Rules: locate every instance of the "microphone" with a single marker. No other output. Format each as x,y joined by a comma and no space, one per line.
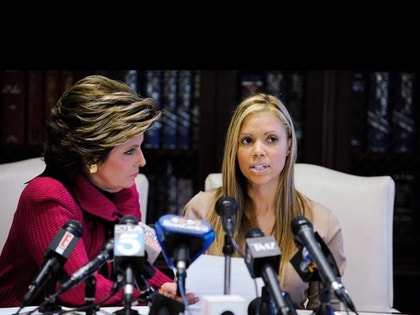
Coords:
54,258
226,207
90,291
262,258
106,254
182,240
128,253
304,236
306,267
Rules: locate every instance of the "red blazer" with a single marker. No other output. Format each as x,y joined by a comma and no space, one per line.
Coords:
45,206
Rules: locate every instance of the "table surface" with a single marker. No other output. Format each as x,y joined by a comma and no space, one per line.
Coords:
144,310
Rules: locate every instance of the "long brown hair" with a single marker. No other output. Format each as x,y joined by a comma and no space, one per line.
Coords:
289,204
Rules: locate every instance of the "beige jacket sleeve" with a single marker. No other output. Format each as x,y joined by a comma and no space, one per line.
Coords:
306,295
199,205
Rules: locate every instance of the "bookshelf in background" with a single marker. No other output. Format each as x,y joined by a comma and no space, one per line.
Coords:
13,110
386,142
35,105
169,106
170,145
184,112
27,97
151,85
56,83
384,107
288,86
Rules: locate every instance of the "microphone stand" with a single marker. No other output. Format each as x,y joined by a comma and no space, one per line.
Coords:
265,305
90,291
227,251
50,307
325,307
128,297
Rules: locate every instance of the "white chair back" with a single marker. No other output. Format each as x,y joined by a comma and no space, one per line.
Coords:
13,177
143,187
365,207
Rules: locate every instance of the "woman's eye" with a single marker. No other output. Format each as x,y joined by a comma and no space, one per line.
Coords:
246,140
129,152
273,139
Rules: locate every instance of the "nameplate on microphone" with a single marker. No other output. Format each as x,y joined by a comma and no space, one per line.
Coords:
184,225
260,251
128,247
64,243
151,243
305,265
263,246
128,240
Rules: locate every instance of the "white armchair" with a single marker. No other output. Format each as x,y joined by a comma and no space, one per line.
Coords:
13,177
365,208
143,187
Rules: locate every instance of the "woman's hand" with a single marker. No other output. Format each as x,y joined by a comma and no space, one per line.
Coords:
171,287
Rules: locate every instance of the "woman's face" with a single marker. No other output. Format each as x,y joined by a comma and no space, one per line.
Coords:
263,148
121,166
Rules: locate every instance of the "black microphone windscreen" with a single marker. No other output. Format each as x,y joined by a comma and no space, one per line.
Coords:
299,221
226,206
254,306
254,232
129,219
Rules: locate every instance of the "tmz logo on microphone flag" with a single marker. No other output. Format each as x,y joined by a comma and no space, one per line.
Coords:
262,246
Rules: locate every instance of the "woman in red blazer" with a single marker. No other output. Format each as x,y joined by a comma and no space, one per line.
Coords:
92,154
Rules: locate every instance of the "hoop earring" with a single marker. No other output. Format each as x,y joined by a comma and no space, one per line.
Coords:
93,168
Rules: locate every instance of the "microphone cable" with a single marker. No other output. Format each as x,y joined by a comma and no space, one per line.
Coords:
117,285
240,252
242,255
183,296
